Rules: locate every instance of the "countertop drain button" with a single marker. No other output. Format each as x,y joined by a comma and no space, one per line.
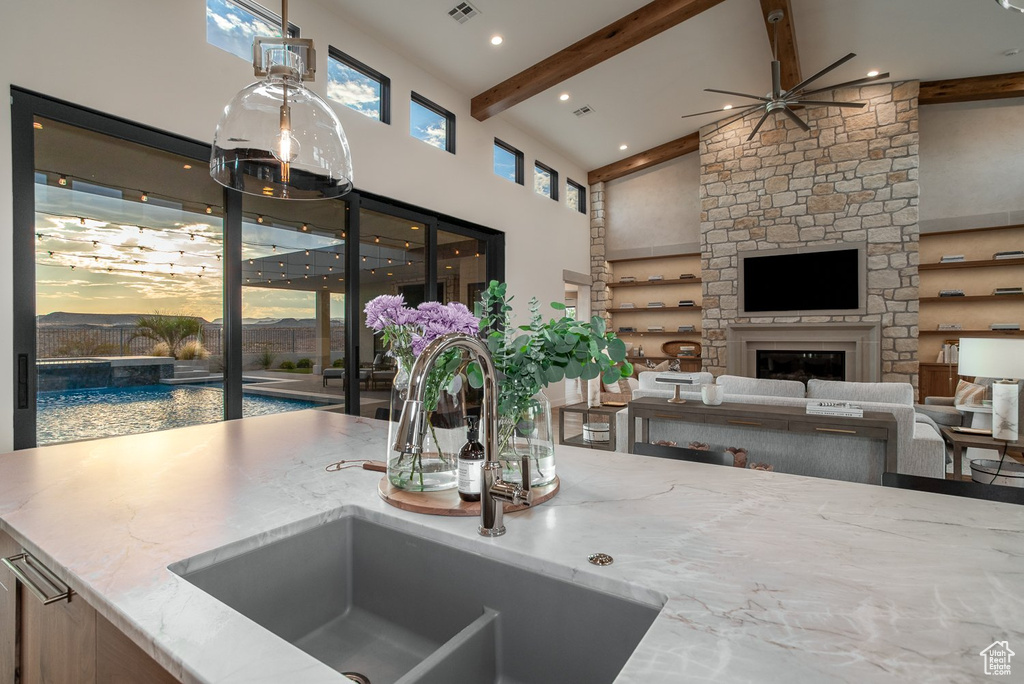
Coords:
601,559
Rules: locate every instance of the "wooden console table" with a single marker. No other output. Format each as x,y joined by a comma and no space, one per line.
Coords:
874,424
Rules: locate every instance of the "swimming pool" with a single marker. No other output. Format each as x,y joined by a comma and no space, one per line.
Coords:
72,415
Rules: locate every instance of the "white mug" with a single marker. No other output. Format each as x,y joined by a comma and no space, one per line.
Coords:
712,394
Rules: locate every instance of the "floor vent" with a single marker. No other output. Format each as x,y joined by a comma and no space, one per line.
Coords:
463,12
584,110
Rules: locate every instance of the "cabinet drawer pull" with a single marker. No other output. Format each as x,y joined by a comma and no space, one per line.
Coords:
668,416
844,432
26,569
743,422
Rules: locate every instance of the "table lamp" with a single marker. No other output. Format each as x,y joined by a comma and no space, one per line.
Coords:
997,358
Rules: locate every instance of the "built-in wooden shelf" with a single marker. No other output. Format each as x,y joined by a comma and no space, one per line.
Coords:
974,298
986,263
666,332
653,257
639,359
973,333
631,309
654,283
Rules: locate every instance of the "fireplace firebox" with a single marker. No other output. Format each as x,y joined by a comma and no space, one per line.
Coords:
802,365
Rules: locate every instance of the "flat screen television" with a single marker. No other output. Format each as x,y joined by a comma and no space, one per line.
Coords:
826,280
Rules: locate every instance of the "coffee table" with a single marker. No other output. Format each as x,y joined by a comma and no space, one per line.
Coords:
605,414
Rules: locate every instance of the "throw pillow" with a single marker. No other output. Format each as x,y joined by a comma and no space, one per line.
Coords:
661,367
968,393
614,387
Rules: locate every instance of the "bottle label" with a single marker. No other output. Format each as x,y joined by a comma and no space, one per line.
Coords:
470,475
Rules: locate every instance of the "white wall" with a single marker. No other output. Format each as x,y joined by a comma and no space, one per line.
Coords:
972,164
148,61
654,208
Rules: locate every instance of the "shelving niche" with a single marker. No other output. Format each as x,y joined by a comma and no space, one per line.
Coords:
978,275
671,290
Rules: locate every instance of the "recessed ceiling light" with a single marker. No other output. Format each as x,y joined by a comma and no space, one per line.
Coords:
872,73
563,97
187,166
727,107
623,147
414,227
496,40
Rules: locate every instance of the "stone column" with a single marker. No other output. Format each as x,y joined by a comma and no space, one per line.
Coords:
600,271
323,331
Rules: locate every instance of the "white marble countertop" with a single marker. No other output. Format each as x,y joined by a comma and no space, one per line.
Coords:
765,576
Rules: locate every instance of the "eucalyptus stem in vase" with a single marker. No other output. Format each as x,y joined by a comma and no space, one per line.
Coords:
530,357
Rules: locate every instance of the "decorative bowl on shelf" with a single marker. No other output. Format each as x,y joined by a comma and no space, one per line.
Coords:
681,349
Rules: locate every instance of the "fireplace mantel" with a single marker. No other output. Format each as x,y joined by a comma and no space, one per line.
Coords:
860,341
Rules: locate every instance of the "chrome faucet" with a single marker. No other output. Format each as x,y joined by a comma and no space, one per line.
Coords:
412,427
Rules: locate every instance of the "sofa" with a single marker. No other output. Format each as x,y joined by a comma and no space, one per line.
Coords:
919,451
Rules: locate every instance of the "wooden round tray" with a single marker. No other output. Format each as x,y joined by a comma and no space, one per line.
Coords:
672,349
448,501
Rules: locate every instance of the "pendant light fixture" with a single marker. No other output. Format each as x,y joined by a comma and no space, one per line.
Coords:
277,138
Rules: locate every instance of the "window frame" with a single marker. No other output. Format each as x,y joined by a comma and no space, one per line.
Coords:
554,179
368,71
449,138
263,13
520,173
581,194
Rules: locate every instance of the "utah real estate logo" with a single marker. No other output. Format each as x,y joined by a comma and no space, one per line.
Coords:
997,658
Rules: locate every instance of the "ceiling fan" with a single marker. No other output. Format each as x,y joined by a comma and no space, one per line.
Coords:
779,100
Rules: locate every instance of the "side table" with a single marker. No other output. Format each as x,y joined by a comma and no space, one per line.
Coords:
605,414
964,440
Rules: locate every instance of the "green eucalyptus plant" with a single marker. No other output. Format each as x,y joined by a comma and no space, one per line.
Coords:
532,356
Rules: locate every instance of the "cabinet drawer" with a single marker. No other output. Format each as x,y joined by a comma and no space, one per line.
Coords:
751,422
654,414
839,430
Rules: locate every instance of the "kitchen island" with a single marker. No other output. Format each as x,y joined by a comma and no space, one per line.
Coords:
762,576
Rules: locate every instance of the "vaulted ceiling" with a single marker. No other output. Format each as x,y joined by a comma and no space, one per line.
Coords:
639,94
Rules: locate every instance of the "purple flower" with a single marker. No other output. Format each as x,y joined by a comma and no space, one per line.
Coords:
385,310
436,319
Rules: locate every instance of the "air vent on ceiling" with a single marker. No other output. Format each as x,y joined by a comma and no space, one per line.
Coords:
584,110
463,12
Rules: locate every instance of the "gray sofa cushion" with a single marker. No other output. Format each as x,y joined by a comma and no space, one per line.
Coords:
882,392
736,385
943,415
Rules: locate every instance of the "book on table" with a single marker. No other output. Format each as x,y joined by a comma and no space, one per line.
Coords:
835,408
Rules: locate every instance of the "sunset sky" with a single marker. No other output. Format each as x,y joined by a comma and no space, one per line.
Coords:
146,258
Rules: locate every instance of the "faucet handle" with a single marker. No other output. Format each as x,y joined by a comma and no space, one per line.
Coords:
524,494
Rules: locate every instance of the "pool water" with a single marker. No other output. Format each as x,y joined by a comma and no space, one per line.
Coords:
68,416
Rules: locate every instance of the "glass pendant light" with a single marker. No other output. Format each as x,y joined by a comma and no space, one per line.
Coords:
277,138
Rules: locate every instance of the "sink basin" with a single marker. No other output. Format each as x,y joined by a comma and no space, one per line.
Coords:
394,607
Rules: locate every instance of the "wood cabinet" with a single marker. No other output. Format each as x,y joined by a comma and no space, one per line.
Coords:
65,642
937,380
630,305
978,275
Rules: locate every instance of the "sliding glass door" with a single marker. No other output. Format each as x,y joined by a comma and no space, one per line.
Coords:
147,297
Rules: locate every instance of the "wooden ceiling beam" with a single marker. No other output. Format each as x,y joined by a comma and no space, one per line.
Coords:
786,49
642,160
633,29
992,87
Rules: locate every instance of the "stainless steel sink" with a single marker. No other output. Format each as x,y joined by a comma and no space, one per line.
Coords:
394,607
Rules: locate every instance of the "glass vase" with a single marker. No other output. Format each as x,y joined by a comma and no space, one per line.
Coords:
436,467
528,433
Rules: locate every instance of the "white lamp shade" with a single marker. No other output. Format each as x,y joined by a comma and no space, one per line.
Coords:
247,148
992,357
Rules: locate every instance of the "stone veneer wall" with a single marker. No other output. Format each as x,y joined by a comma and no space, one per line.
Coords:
600,271
852,178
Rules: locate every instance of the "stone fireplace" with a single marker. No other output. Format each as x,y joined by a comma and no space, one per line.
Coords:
850,180
858,343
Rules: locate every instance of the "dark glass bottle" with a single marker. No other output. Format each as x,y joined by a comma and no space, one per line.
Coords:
470,459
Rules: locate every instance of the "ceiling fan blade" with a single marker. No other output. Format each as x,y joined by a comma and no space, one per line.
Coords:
847,84
728,120
776,79
826,103
712,111
729,92
799,122
803,84
764,118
